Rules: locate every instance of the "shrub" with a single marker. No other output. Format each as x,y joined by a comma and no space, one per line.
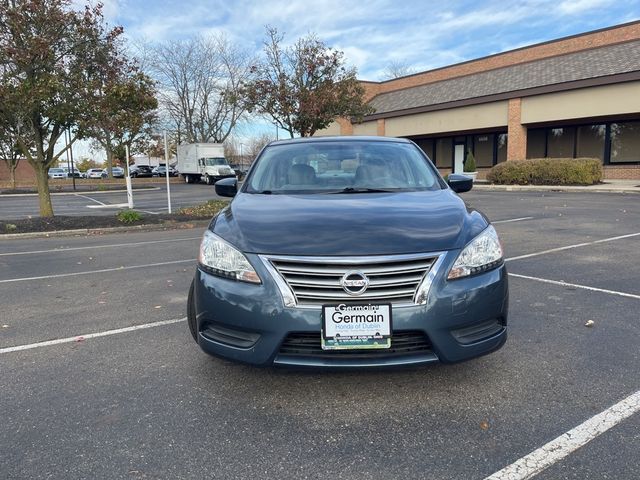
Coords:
547,171
470,162
129,216
10,227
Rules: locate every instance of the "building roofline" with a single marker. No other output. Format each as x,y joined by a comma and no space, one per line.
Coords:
519,49
544,89
494,69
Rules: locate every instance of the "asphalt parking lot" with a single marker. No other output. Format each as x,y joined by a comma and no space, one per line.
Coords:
152,201
120,390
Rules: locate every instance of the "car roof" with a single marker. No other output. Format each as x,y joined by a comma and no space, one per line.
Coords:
337,138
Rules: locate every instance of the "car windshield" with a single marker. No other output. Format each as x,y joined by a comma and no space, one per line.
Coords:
212,162
56,170
342,167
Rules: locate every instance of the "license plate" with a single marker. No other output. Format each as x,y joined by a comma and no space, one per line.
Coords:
350,326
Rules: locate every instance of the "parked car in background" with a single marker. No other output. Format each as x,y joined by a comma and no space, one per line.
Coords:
117,172
343,252
57,173
140,171
94,173
161,171
76,173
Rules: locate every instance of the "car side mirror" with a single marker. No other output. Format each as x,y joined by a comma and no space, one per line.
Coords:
460,183
227,187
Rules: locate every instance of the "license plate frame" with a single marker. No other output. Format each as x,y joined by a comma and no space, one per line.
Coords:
365,325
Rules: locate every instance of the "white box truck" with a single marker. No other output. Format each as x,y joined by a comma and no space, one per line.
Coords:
203,161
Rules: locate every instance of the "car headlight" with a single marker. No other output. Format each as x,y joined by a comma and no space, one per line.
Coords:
219,258
483,253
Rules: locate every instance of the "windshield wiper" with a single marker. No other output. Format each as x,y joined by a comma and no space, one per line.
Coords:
361,190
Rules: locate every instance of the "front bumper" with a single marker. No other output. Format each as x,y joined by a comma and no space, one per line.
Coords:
462,319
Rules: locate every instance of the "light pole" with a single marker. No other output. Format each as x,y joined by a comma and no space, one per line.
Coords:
241,159
69,154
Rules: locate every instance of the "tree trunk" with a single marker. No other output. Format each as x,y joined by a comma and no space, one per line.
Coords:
12,173
44,196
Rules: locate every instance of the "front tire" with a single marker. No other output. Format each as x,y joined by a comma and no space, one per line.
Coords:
191,314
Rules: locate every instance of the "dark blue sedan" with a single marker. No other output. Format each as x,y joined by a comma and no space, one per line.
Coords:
348,252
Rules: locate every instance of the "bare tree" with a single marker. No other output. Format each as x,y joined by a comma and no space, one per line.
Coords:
397,69
199,81
243,152
256,144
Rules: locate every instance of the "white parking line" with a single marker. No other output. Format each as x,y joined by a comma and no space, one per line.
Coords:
567,443
569,247
89,198
512,220
87,336
573,285
115,245
90,272
109,205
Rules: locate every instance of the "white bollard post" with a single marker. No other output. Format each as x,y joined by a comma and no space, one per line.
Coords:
166,162
128,181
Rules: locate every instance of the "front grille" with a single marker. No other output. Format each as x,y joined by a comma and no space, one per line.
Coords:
307,344
316,280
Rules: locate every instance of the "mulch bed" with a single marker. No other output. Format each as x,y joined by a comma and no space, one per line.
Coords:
60,222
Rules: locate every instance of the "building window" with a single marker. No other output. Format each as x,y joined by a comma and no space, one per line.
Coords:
590,141
427,147
483,150
501,147
444,152
537,143
560,142
625,142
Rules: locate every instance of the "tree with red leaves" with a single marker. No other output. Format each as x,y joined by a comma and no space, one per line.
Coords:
53,62
305,87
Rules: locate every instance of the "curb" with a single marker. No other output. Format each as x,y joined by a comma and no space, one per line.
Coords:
557,188
82,192
100,231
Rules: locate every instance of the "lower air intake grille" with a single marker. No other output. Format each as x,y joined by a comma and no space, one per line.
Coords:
306,344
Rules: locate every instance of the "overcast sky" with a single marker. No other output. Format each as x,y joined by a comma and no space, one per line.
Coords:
373,33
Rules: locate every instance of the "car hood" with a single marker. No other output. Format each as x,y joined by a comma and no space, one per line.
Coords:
348,224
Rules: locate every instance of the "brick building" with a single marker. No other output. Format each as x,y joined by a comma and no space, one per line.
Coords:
577,96
24,172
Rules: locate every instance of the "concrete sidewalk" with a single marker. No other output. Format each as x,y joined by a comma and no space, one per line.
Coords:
609,186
